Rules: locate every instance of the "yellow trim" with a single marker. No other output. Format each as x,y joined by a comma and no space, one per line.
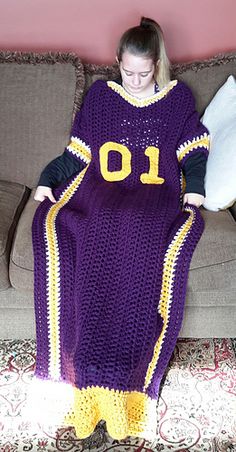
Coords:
188,146
80,149
126,413
53,275
183,183
141,102
166,298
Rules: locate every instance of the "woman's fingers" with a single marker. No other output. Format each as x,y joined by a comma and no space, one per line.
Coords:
44,192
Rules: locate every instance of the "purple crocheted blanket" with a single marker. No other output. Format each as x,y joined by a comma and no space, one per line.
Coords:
112,256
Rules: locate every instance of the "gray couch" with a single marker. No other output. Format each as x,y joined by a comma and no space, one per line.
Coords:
39,96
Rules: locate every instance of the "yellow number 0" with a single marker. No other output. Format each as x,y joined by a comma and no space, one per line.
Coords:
112,176
146,178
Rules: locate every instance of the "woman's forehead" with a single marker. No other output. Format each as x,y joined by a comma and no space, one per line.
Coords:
132,62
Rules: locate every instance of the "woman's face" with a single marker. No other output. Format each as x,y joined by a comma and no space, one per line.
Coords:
137,73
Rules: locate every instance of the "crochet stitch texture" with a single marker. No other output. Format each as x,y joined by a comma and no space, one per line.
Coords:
112,256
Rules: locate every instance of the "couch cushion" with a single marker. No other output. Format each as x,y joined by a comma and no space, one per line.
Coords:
21,261
206,77
217,244
93,72
217,281
12,199
37,105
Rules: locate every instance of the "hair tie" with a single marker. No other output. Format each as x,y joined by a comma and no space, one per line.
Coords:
145,23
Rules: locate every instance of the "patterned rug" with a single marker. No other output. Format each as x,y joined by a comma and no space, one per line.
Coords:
196,408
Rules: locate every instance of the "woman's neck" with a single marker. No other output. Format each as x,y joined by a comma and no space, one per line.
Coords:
154,89
149,91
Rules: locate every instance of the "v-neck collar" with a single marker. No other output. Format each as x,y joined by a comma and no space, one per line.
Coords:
135,101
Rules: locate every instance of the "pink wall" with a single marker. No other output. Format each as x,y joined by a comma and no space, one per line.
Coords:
193,29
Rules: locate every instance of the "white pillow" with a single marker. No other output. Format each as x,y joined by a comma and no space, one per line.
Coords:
220,119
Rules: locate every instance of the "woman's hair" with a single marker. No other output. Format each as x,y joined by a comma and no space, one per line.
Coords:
147,40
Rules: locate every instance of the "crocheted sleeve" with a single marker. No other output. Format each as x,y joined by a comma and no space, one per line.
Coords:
195,136
79,144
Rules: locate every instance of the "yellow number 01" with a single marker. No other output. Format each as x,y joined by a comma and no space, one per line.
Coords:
146,178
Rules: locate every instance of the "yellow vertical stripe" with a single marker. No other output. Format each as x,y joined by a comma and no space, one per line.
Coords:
53,275
166,297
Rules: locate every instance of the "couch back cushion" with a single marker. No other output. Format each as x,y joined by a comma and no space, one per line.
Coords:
37,105
206,77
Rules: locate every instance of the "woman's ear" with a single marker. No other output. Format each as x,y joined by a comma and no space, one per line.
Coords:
117,59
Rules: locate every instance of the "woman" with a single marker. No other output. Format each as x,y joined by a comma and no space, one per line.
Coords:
114,238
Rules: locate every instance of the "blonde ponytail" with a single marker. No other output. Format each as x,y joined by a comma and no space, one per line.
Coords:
162,73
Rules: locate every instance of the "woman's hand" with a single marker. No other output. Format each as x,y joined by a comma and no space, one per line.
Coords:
193,198
44,192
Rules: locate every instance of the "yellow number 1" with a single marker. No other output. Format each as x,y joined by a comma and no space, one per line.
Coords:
151,177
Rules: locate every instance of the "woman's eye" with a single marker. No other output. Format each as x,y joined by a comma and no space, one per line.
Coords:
129,74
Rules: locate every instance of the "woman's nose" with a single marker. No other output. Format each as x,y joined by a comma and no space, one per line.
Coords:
136,80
